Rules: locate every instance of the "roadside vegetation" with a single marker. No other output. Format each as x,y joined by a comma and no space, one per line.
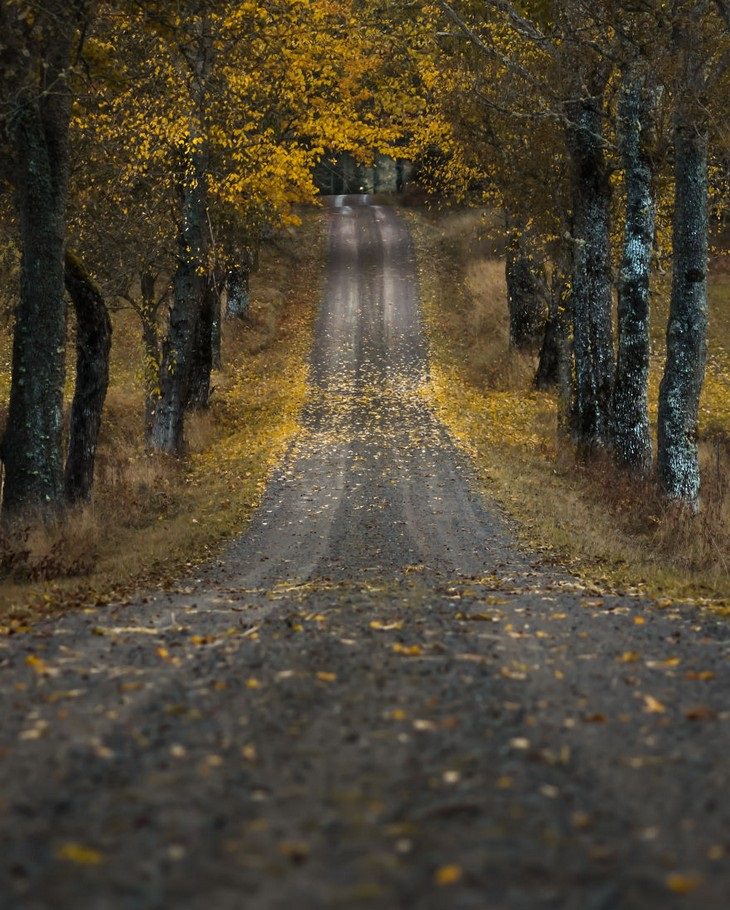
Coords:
154,517
615,531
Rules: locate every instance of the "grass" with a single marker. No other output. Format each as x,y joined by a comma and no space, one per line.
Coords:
154,518
615,533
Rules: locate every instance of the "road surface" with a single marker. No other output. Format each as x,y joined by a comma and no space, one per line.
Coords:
375,698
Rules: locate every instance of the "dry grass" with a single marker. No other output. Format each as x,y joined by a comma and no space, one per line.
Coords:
153,518
613,531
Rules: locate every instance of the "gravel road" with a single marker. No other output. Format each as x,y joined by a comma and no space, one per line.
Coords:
375,698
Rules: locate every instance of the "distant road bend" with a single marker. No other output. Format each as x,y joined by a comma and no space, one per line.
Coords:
374,698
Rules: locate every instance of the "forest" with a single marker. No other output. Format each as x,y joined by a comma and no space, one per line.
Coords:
364,453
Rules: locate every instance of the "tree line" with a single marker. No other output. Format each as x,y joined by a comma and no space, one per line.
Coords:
145,149
600,128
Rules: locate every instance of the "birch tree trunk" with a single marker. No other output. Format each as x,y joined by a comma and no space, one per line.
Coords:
630,410
681,386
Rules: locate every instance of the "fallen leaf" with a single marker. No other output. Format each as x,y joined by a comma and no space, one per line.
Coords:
680,883
629,657
323,676
700,712
653,705
397,714
73,852
408,650
38,664
449,875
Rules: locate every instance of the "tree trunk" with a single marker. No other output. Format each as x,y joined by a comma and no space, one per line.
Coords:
31,447
679,394
93,344
239,294
151,346
202,365
526,291
591,290
217,320
179,349
555,337
630,411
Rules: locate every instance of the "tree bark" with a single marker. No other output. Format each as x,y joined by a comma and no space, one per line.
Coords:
591,285
151,346
93,344
31,447
202,365
555,337
179,349
526,291
631,437
183,336
239,295
217,328
681,386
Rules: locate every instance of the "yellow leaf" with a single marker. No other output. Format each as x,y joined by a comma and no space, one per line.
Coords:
653,705
77,853
39,665
629,657
449,875
386,626
253,683
683,884
408,650
323,676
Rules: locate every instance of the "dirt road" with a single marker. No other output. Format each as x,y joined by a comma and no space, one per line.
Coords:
375,699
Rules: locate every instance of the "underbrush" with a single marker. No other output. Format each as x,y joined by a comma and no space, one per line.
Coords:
154,517
617,531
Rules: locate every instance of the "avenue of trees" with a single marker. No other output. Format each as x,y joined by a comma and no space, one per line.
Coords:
145,148
600,128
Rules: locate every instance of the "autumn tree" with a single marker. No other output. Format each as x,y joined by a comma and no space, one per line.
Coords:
38,48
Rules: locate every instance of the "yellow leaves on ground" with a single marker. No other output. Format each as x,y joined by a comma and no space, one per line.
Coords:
381,626
37,663
324,676
253,683
485,416
407,650
680,883
449,875
396,714
72,852
653,705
